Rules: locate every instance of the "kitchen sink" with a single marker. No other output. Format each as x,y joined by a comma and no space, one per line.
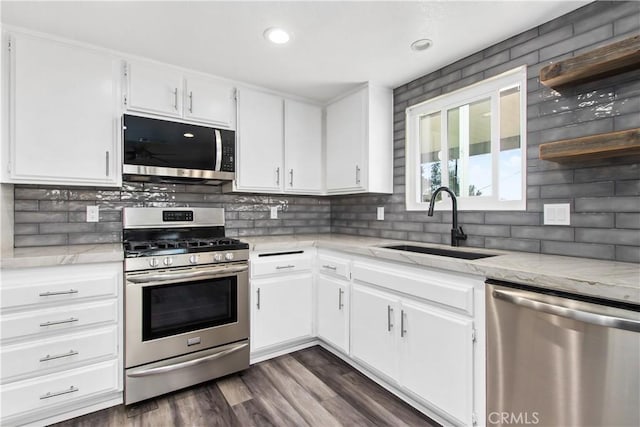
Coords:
440,252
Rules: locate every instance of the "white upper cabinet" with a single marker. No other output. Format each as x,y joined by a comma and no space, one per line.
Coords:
63,114
302,147
259,142
359,142
154,89
168,91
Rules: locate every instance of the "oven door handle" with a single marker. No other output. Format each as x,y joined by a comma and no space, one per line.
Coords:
188,363
191,275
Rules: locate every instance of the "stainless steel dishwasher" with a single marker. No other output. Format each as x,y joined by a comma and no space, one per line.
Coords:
558,359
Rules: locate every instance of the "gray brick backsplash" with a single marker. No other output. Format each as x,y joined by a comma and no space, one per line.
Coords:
40,240
523,245
628,253
611,236
607,204
603,194
628,220
587,250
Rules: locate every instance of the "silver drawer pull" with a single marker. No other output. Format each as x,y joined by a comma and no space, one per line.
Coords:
330,267
340,304
59,356
282,267
49,294
48,395
59,322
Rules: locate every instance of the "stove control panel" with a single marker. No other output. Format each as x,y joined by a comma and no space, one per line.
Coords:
177,216
185,260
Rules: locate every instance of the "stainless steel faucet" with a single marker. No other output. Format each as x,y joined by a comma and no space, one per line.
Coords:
456,232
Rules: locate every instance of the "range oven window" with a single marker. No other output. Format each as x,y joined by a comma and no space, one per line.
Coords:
174,309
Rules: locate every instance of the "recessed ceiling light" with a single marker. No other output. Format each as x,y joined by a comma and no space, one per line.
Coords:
276,35
421,44
188,135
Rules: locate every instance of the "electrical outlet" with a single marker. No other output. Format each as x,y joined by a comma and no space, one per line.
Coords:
93,213
557,214
380,213
274,212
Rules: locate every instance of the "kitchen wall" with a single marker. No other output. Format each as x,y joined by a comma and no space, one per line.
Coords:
605,207
46,215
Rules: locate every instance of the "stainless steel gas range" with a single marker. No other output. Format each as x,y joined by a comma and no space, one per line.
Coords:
186,300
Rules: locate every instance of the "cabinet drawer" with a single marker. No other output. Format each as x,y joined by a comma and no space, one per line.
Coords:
441,288
278,264
58,352
53,319
60,388
332,265
61,284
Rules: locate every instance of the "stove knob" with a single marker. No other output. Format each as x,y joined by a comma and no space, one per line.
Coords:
167,261
228,256
153,262
217,257
193,259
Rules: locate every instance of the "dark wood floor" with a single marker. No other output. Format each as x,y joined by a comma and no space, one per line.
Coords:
311,387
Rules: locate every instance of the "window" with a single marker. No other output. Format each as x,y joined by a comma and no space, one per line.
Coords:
472,141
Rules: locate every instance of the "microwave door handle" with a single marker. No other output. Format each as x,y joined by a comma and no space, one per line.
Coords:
218,149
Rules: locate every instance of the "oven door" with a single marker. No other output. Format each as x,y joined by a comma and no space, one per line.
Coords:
183,310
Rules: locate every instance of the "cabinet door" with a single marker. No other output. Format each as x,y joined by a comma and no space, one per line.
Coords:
436,358
260,142
209,100
154,89
64,116
302,147
281,309
333,311
374,320
346,143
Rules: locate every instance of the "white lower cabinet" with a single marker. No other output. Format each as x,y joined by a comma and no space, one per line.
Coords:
281,300
333,311
61,352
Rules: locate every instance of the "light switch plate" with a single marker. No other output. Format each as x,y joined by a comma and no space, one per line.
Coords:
557,214
274,212
380,216
93,213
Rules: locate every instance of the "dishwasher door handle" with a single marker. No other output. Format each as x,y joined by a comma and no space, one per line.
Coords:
570,313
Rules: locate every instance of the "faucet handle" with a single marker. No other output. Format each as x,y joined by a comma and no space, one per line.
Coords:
460,234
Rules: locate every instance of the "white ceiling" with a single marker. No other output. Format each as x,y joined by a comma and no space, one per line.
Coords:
335,45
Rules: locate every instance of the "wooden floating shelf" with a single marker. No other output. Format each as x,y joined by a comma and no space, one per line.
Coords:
605,145
602,62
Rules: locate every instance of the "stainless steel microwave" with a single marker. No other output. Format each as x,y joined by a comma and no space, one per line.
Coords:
168,150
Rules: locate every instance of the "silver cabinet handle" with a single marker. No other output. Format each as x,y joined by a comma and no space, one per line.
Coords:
175,99
258,298
278,175
106,156
48,395
340,304
58,356
59,322
188,363
290,177
357,174
570,313
282,267
403,331
330,267
49,294
389,313
191,102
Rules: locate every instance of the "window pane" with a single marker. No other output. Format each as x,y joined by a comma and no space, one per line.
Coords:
469,138
510,170
430,164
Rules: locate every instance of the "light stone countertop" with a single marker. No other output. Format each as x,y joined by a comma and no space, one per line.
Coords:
46,256
605,279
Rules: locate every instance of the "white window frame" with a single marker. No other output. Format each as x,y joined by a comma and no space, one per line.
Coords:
489,88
